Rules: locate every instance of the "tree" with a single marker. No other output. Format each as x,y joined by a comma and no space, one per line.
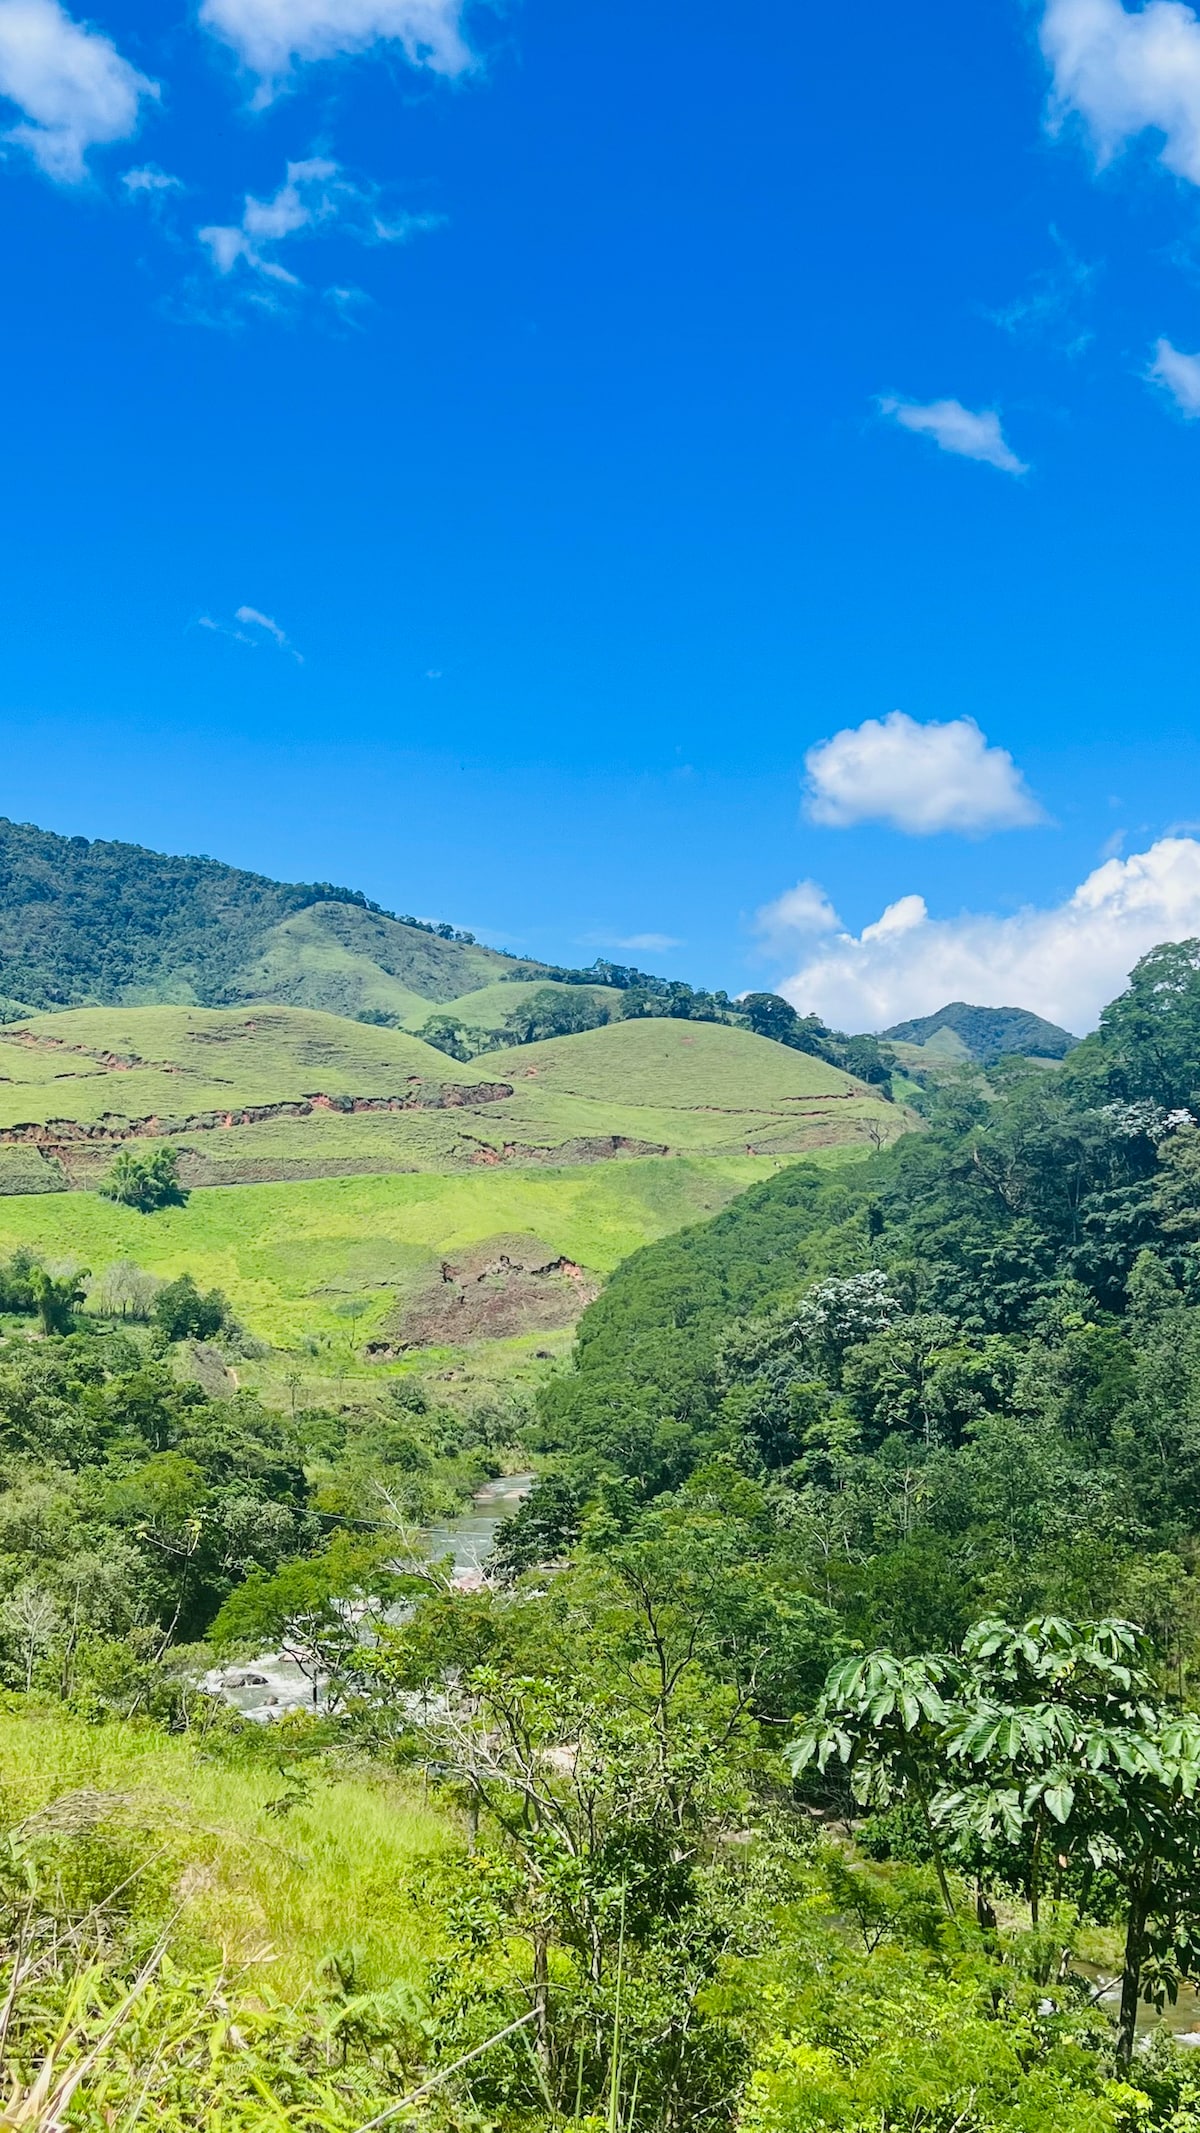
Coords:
1046,1754
55,1297
124,1289
772,1016
318,1609
145,1178
183,1313
550,1012
32,1617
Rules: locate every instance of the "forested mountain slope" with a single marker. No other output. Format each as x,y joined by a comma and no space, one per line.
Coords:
984,1033
973,1361
86,924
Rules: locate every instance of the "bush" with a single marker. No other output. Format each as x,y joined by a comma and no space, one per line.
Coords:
183,1313
145,1178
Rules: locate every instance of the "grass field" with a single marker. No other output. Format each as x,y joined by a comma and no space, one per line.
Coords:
487,1008
144,1062
280,1895
287,1255
307,1209
666,1087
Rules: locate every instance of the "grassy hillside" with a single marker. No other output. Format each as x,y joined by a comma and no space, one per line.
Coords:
275,1896
487,1007
351,1164
344,959
289,1256
133,1063
75,1084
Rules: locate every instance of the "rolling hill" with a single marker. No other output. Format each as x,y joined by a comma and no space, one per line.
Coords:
344,1174
459,1203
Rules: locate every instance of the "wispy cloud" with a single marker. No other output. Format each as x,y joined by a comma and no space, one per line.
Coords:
945,775
634,943
1179,375
316,196
954,428
1125,73
273,37
1048,309
73,86
250,626
1063,962
151,182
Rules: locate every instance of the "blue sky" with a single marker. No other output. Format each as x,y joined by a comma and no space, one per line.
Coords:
480,453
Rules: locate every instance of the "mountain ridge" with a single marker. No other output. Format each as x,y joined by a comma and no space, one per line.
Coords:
102,923
983,1034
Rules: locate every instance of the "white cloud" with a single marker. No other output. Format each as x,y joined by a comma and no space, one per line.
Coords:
653,943
271,37
151,180
920,779
1179,375
955,429
254,626
316,195
1124,73
72,84
1064,962
803,910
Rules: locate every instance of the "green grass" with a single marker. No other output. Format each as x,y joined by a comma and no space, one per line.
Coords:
288,1254
487,1008
279,1894
687,1065
191,1059
685,1088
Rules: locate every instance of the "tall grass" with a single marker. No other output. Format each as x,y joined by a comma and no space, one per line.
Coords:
281,1895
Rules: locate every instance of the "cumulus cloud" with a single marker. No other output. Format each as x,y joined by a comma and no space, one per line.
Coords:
803,910
1064,962
1124,73
920,779
316,195
273,37
71,83
954,428
1179,375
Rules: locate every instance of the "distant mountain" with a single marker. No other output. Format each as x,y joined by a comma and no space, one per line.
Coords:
984,1033
102,924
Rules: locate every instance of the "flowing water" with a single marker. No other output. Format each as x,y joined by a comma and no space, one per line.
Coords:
266,1688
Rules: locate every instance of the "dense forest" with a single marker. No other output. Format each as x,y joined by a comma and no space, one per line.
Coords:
820,1746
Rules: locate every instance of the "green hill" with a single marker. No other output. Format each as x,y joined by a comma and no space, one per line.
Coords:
959,1031
271,1093
482,1202
85,924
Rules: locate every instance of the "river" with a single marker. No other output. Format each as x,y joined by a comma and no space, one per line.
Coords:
266,1688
